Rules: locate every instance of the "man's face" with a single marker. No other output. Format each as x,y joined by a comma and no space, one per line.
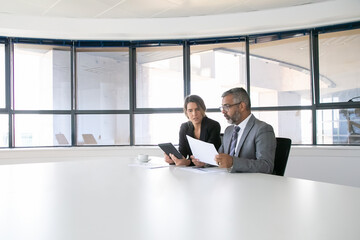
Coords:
231,109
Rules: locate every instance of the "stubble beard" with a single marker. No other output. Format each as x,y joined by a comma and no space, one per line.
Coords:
234,118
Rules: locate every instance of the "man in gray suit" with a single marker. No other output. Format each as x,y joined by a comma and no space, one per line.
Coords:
249,144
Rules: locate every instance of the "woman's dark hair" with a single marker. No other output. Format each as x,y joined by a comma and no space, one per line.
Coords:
195,99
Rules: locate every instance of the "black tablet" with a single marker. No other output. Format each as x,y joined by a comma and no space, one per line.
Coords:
169,148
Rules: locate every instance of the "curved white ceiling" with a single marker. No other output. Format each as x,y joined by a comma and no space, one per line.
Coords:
167,19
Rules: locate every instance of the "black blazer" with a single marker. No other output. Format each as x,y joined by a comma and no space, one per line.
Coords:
210,132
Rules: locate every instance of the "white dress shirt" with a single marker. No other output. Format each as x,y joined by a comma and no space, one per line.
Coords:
242,126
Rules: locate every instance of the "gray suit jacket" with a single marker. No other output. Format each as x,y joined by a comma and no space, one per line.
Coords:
256,149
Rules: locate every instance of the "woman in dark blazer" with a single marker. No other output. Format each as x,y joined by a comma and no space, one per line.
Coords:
199,126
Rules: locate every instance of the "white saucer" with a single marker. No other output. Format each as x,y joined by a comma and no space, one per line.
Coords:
143,161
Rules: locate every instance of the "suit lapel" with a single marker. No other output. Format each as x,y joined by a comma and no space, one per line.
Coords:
228,140
247,129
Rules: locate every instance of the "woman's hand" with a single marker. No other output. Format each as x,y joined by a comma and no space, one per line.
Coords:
168,159
179,162
197,162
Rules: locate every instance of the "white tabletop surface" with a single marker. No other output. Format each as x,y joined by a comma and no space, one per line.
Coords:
116,198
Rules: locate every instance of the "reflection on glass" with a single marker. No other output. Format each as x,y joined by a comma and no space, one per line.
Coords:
339,59
2,76
158,128
296,124
280,73
102,79
338,126
4,130
159,77
42,78
42,130
104,129
216,68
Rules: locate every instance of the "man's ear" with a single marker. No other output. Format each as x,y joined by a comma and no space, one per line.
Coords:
242,106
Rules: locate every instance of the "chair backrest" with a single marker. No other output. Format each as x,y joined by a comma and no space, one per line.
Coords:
89,138
61,139
283,146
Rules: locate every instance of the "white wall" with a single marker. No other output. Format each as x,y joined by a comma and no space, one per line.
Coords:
339,165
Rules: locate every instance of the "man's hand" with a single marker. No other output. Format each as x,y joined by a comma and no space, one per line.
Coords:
224,160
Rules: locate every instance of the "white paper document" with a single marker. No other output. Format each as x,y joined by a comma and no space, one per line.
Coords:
147,165
203,151
201,170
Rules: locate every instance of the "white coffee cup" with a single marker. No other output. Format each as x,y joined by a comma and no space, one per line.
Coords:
143,158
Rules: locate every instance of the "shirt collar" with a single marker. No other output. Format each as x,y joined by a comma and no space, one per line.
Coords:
242,125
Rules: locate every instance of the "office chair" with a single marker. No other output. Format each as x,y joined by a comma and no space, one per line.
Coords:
61,139
283,146
89,139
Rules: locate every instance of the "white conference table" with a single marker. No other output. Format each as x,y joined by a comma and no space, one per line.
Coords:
108,198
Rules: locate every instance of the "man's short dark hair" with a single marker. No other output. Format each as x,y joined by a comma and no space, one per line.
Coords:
240,95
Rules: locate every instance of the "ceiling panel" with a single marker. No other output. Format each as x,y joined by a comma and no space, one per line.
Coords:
24,7
76,9
140,8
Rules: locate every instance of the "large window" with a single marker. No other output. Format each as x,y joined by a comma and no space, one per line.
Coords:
4,130
280,76
4,119
159,77
216,68
34,130
339,66
280,73
42,81
42,78
338,126
103,129
102,79
2,76
105,93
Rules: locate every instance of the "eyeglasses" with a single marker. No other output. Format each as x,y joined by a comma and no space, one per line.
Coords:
226,107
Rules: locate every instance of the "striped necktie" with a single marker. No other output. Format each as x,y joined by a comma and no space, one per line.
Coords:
234,140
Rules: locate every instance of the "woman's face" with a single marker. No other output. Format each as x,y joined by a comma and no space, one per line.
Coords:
193,112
